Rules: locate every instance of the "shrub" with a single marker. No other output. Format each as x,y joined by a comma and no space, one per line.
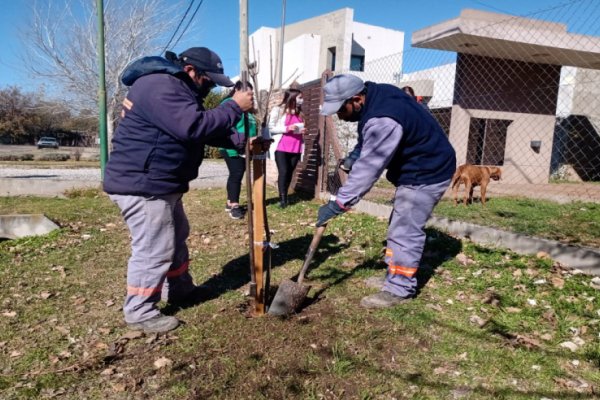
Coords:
54,157
77,155
16,157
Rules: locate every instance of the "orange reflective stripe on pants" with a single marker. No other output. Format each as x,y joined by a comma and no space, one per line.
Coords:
179,271
138,291
401,270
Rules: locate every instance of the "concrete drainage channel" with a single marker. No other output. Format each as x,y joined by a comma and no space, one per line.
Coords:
586,259
18,226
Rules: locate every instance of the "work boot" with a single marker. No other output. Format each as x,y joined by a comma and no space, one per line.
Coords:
160,323
382,300
375,282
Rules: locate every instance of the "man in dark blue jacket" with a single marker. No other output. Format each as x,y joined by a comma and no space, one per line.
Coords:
399,135
157,149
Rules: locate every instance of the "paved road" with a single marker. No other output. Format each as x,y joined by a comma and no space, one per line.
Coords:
54,181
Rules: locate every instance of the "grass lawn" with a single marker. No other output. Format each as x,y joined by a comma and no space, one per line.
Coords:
487,324
576,223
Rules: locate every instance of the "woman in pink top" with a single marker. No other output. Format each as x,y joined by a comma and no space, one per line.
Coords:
287,120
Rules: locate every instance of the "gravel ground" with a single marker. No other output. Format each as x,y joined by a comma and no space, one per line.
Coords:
53,181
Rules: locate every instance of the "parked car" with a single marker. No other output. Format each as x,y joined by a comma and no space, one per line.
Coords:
47,142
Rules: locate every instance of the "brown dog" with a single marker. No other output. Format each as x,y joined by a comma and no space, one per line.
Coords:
471,176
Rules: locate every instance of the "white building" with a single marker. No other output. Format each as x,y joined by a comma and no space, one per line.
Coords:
331,41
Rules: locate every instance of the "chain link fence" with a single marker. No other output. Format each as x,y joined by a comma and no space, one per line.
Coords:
518,92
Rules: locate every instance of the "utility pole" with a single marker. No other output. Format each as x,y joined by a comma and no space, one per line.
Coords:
101,88
281,41
243,36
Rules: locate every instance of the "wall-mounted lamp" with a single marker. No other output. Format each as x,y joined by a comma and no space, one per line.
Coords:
536,145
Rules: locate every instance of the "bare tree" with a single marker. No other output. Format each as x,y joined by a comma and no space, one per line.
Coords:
60,45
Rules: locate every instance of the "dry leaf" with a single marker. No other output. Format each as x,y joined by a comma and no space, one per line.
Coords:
132,335
15,354
542,254
162,362
558,282
513,310
79,301
569,345
62,329
474,319
9,314
518,273
108,371
45,295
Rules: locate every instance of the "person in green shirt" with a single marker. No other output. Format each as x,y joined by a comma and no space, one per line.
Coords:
236,162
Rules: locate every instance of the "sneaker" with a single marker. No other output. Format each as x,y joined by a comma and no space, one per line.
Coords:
227,208
160,323
375,282
382,300
236,213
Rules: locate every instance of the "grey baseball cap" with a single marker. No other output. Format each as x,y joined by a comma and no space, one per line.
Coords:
339,89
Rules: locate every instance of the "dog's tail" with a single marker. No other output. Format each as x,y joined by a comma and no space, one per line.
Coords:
456,177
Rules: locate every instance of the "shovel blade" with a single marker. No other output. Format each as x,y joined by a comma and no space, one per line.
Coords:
289,297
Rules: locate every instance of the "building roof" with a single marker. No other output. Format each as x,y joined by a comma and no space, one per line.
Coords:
506,36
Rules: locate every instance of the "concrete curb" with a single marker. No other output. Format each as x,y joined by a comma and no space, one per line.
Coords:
586,259
22,225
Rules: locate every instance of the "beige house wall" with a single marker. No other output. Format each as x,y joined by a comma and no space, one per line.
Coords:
521,163
335,30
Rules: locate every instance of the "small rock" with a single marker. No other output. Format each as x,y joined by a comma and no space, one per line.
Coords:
536,367
539,282
575,363
595,283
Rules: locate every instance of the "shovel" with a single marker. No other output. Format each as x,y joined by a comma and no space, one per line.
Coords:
290,295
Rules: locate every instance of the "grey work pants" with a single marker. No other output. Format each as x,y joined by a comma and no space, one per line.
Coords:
413,205
158,266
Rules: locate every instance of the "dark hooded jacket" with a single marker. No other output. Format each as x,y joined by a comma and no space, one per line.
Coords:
159,143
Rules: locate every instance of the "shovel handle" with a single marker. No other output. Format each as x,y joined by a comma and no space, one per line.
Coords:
311,252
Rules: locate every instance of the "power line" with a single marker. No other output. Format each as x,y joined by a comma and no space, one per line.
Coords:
189,22
179,25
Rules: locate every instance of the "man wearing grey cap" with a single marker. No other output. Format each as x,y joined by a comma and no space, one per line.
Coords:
396,134
157,149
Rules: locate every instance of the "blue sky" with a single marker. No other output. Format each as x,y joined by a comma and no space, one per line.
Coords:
217,23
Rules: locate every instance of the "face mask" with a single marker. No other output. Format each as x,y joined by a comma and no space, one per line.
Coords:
355,116
299,101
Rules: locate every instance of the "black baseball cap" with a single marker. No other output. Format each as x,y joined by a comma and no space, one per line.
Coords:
207,61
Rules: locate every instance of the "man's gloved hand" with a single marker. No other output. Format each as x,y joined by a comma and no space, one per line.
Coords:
328,211
346,164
